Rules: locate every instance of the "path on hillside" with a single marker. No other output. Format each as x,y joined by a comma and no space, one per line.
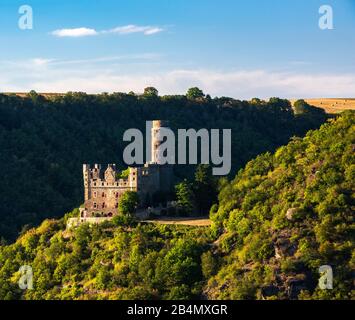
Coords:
197,222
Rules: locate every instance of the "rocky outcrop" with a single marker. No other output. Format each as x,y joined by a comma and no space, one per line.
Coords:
290,214
283,246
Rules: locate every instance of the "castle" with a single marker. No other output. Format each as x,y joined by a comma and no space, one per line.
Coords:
103,188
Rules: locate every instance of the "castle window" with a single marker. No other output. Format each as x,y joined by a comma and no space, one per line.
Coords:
103,205
103,184
117,195
95,194
103,194
116,206
95,205
95,184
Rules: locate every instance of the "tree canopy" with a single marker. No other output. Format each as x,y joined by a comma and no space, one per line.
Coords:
44,140
194,93
128,203
151,91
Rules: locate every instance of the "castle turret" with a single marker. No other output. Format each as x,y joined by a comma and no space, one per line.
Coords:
110,173
156,139
96,172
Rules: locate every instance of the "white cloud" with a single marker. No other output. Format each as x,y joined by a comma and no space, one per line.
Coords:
105,74
75,33
153,30
128,29
41,62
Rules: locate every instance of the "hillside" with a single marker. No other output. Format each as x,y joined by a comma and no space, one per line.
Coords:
282,217
44,140
287,214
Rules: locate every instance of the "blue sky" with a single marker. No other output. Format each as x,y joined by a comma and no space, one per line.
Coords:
238,48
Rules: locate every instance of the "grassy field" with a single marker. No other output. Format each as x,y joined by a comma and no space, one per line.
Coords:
24,94
332,105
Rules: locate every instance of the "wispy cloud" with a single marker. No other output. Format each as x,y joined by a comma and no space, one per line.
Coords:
41,62
147,30
123,30
75,33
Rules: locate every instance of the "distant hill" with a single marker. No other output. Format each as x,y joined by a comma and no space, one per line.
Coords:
332,105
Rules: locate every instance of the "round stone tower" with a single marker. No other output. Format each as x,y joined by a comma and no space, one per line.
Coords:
156,139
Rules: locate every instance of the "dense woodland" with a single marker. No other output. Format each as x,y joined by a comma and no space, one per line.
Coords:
283,216
45,141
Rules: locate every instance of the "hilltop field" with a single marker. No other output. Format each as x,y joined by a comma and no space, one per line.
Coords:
332,105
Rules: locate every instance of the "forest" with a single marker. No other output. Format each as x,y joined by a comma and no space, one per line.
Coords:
44,140
283,216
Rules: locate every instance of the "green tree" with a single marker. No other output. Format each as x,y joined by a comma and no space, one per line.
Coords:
301,107
151,91
185,197
123,174
208,265
205,189
194,93
128,202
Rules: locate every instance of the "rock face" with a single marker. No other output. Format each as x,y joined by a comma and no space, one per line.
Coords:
283,246
290,214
